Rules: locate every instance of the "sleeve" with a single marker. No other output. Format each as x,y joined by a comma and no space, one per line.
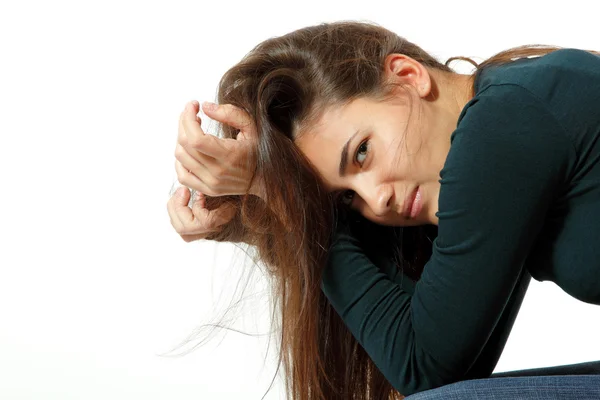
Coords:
508,158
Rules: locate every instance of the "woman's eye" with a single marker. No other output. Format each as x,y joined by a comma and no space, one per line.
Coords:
361,152
347,197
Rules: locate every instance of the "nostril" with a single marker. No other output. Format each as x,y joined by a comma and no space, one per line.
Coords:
390,201
384,201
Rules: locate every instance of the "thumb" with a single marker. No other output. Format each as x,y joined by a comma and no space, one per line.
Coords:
182,195
232,116
182,198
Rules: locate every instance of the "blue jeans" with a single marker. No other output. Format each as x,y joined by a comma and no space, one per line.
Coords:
566,382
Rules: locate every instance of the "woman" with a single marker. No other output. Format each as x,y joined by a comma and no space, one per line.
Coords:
351,117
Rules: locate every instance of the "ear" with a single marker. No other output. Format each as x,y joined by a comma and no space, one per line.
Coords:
400,68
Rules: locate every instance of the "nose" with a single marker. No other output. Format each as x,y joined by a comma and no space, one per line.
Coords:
379,199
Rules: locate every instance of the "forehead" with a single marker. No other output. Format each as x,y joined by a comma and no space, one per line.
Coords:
322,143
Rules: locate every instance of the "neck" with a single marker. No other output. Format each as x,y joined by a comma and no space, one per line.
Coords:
449,94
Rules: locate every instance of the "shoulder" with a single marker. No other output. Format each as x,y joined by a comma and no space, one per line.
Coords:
506,129
537,72
507,107
567,80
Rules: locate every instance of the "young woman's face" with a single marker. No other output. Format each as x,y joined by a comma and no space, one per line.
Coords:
379,159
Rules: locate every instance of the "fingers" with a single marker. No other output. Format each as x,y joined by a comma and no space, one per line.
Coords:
210,145
186,178
192,137
215,218
200,199
175,207
181,135
208,177
198,163
183,219
191,122
196,222
232,116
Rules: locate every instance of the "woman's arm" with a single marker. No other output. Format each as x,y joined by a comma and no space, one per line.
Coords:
508,158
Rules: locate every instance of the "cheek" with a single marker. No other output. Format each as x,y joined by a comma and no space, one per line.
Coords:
392,159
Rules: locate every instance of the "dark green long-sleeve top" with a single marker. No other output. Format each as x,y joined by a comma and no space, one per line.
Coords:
520,195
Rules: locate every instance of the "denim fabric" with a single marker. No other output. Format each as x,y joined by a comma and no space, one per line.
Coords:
557,387
586,368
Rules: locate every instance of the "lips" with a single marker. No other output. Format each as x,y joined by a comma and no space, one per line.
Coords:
408,203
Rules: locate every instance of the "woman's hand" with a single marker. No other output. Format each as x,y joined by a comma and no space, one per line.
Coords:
197,222
211,166
216,166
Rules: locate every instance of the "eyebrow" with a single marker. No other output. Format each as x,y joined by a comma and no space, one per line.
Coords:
344,158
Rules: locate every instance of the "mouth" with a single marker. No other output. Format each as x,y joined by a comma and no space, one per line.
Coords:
409,201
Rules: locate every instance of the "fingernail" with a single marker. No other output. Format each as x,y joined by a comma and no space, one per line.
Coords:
207,105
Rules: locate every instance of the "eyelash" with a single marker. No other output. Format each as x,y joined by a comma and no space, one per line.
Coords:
343,199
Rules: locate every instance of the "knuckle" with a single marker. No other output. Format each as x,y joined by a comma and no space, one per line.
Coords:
232,113
182,178
211,191
183,140
195,142
213,183
178,172
218,172
226,108
189,140
179,152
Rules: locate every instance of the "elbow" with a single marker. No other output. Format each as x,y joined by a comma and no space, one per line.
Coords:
422,372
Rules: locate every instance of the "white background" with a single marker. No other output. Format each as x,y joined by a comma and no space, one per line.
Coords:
94,282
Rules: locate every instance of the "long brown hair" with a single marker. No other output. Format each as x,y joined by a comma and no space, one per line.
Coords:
284,84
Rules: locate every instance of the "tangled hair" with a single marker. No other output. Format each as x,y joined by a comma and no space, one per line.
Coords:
284,84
